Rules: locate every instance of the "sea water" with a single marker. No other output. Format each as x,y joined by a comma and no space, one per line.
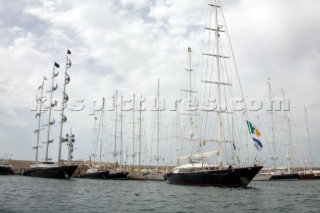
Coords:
27,194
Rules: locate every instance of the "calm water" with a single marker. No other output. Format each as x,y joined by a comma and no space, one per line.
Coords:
26,194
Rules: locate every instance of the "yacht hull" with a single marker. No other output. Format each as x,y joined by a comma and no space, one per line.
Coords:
59,172
96,175
157,177
137,176
317,176
291,176
306,176
235,177
264,177
118,175
6,170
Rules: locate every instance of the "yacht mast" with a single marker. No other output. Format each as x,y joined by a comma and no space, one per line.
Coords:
121,134
133,122
70,140
308,139
218,85
217,29
140,132
115,129
95,141
272,127
158,123
101,130
289,144
289,154
53,88
37,131
65,99
191,134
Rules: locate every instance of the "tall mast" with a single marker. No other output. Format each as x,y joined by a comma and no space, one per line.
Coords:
289,158
308,139
70,146
100,130
189,92
121,133
217,39
272,127
217,29
191,134
95,140
158,123
115,129
53,88
37,131
289,144
140,132
65,99
133,118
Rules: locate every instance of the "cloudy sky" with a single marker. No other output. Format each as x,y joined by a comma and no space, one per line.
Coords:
127,45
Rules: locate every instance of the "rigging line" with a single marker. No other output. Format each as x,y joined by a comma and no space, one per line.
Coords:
208,72
208,14
302,164
315,153
204,9
296,148
236,121
264,135
227,120
236,67
202,45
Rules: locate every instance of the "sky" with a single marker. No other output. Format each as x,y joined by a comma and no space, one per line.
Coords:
127,45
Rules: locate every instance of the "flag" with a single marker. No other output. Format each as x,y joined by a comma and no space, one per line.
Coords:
56,65
257,144
255,133
250,127
253,129
69,52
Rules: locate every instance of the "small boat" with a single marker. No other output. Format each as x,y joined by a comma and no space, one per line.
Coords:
6,167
